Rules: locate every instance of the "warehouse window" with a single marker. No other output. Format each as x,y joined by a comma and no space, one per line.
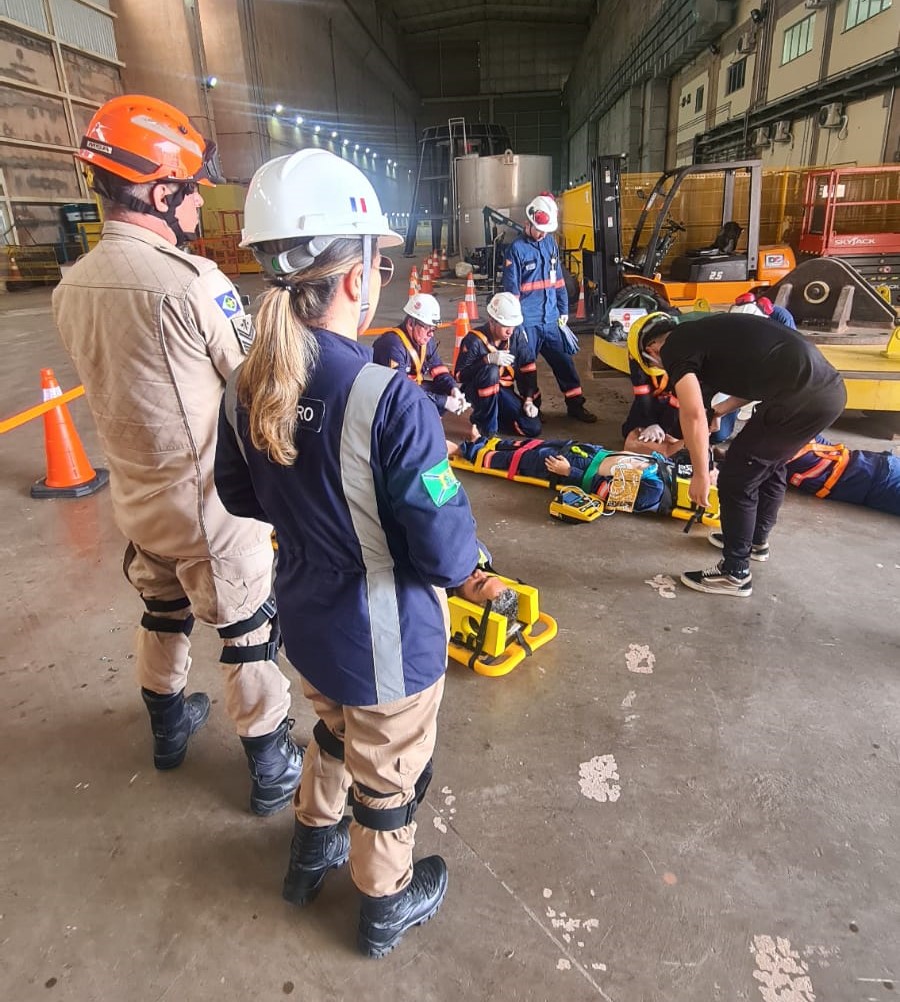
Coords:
698,100
861,10
737,75
798,39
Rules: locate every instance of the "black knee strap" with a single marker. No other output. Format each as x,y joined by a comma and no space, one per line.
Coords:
172,605
391,818
267,651
162,624
329,743
267,611
387,820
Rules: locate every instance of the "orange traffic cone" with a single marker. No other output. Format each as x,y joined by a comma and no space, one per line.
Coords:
427,285
445,264
413,281
69,473
581,311
462,328
471,301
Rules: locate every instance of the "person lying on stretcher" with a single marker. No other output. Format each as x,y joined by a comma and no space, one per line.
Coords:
581,464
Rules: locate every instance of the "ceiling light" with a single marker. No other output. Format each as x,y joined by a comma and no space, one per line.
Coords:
374,155
334,135
210,82
279,108
318,128
299,120
356,146
346,142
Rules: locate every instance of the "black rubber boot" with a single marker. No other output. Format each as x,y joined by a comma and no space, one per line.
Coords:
383,921
275,766
578,411
173,719
314,851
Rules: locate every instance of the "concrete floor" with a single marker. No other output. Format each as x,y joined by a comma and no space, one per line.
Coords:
747,756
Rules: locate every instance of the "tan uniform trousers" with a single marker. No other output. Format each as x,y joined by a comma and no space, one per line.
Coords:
222,591
385,749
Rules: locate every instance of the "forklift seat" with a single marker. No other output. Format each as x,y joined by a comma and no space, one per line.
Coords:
725,242
715,263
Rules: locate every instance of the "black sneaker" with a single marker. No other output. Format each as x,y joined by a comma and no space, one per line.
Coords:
757,551
714,582
581,413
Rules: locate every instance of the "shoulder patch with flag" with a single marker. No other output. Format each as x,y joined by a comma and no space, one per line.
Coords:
230,304
441,483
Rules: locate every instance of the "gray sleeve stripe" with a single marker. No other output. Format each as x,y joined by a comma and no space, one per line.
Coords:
359,490
230,404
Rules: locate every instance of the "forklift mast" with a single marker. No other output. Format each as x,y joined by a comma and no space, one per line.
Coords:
603,267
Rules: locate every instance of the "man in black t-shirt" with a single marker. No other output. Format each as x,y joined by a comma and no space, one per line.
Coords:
749,358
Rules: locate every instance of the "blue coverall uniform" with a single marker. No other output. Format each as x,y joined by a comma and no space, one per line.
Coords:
527,457
496,406
532,271
396,349
372,524
370,519
856,476
655,403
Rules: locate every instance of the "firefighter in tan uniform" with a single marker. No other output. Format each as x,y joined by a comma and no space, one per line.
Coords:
154,333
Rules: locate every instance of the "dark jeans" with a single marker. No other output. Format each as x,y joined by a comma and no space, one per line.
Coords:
753,475
545,339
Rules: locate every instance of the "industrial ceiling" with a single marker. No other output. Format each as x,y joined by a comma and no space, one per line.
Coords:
419,16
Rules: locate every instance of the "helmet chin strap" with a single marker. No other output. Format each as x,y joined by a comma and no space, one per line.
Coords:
174,200
364,288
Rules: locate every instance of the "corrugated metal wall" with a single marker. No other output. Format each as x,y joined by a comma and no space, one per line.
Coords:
49,92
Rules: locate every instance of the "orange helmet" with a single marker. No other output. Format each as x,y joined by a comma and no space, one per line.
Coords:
142,139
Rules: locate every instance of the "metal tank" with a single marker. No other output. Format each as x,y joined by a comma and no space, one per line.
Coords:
507,182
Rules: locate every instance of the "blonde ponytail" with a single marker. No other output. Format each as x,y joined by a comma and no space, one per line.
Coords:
281,361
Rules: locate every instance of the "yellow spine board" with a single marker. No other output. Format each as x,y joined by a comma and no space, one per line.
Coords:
499,655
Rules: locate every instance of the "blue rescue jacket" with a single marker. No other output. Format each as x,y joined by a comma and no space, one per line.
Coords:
475,347
532,270
370,519
395,349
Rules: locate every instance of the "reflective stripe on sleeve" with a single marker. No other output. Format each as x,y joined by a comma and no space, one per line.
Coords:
358,485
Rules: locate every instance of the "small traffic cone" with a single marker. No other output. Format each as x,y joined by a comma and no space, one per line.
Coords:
462,328
427,284
413,281
581,311
69,473
445,264
470,300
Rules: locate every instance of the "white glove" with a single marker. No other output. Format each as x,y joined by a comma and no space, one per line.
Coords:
653,433
456,403
563,319
500,357
529,408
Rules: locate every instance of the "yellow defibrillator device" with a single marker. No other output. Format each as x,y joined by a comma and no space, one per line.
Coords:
572,504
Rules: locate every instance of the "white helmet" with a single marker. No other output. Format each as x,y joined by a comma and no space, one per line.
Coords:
311,194
750,308
543,214
424,308
506,310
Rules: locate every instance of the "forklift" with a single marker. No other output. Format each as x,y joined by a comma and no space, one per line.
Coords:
715,274
834,306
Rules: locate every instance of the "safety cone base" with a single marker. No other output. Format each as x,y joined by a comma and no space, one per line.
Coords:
41,491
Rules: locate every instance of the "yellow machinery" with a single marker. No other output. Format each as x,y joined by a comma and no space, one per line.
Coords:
834,306
494,641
